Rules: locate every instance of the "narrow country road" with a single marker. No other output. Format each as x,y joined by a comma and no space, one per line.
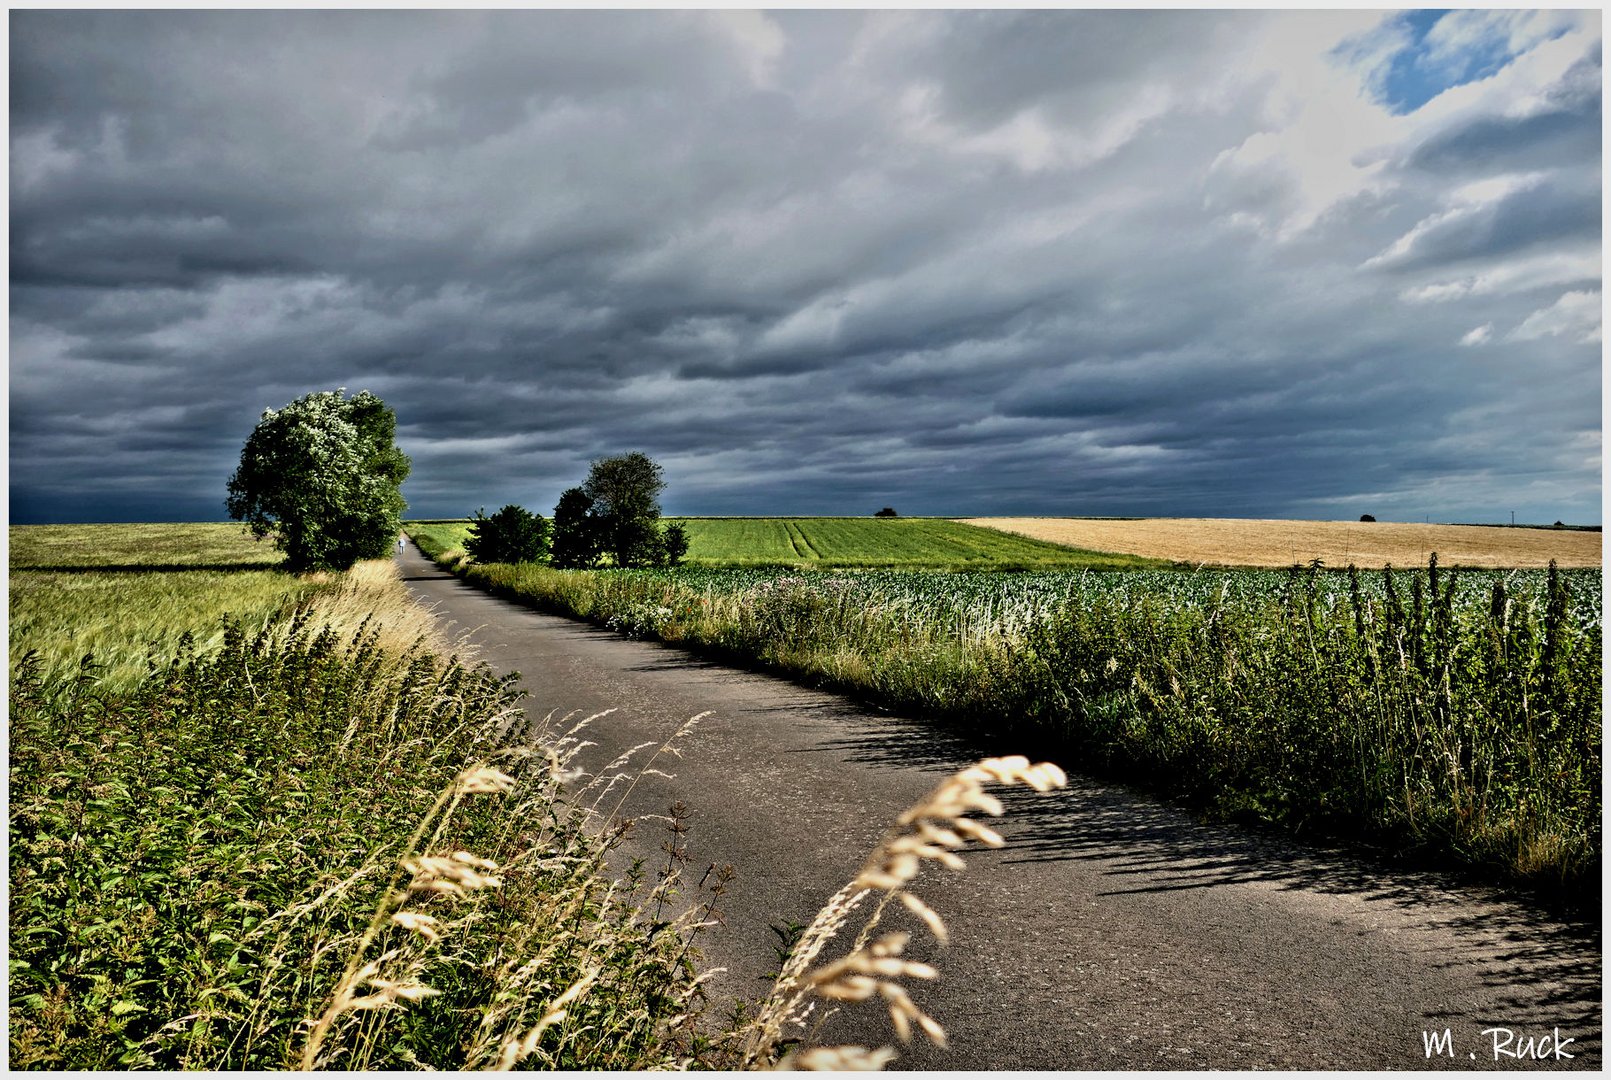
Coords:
1111,931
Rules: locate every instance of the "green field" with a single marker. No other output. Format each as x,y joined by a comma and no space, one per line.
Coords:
846,543
123,591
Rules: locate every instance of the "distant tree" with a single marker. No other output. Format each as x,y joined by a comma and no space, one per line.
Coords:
323,477
888,511
1559,525
512,535
676,543
1366,517
626,504
576,541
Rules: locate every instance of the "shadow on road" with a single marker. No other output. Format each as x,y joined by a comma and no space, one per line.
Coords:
1141,845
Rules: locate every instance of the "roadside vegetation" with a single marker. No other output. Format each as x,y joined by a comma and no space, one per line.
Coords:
1453,715
307,815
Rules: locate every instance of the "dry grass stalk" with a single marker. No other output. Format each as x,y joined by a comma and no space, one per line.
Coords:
931,831
582,918
453,875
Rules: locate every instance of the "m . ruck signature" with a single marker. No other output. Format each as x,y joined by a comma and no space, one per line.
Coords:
1505,1044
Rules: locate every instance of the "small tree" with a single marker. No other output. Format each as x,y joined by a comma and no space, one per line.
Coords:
1367,517
512,535
323,477
888,511
626,504
675,540
576,532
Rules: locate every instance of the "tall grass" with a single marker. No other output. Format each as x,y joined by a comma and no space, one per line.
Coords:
194,864
1458,716
205,860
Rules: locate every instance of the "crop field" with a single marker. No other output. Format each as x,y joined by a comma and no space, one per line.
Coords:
123,591
837,543
877,542
1366,544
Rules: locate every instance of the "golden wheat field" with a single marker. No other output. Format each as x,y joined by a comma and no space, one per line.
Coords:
1366,544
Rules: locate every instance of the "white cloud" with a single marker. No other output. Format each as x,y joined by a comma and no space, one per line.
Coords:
1479,336
1575,316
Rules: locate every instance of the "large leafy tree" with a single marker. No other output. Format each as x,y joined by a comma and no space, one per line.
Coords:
323,477
626,503
512,535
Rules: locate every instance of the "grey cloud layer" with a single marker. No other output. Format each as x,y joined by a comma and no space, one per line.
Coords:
813,262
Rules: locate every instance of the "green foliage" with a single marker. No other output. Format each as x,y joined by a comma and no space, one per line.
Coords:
193,861
577,538
512,535
1461,720
626,508
322,476
675,539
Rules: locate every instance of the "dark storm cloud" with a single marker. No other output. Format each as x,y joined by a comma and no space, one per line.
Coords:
970,262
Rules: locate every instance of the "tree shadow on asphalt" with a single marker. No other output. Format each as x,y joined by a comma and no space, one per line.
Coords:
1544,966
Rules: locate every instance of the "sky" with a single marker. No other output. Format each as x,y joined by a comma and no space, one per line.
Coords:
1099,263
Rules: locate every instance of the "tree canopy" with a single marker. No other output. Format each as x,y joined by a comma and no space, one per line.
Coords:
626,506
512,535
323,477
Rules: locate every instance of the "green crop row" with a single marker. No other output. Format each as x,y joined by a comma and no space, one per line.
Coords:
837,543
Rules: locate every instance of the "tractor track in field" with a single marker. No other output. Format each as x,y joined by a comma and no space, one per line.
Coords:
1111,932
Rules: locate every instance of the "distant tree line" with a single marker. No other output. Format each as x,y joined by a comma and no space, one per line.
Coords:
614,515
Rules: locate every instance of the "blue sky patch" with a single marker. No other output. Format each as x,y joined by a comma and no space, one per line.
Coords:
1419,71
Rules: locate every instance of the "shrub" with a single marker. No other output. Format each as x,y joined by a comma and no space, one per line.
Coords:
512,535
675,541
888,511
1367,517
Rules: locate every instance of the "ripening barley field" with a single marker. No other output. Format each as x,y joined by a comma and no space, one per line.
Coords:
1366,544
122,592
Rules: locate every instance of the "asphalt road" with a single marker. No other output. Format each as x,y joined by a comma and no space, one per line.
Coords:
1111,932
